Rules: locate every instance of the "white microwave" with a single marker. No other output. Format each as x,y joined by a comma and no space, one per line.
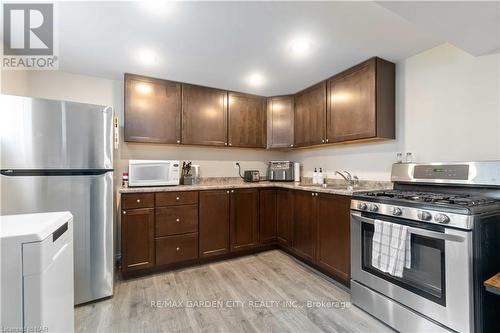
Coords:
153,172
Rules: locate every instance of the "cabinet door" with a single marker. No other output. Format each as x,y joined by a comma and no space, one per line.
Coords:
214,223
304,225
280,122
267,220
247,121
152,110
244,218
137,229
284,208
310,116
351,105
333,252
204,116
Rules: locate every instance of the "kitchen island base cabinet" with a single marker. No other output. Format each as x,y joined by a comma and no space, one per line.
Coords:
214,222
244,219
137,230
333,250
304,225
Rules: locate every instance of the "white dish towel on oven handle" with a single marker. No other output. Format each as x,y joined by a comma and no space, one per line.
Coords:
391,248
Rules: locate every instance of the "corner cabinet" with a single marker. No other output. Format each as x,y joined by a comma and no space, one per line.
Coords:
280,122
304,225
204,116
310,116
246,121
361,102
152,110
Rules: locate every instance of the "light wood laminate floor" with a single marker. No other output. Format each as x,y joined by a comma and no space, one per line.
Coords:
267,292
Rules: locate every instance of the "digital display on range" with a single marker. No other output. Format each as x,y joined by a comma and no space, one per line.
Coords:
455,172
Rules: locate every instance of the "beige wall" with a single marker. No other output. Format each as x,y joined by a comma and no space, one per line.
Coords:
448,109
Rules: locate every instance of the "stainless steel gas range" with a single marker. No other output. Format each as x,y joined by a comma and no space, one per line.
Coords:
452,214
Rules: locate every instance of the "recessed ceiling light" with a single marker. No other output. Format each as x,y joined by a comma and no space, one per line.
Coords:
147,57
256,79
300,47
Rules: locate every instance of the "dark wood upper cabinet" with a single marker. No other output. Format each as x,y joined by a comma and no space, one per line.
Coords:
244,219
268,215
247,121
214,222
310,116
284,207
304,224
333,248
204,116
280,122
137,231
361,102
152,110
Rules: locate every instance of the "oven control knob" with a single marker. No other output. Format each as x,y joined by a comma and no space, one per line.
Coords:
397,211
442,218
373,207
424,216
362,206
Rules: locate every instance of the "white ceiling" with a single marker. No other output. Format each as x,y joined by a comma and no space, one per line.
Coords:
220,44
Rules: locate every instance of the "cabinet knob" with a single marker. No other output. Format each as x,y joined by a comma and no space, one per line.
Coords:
225,143
326,140
291,145
232,191
177,198
177,249
124,213
177,220
178,141
312,194
138,200
227,192
323,141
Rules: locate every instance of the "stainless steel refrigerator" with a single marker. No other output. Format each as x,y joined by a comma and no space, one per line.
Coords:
58,156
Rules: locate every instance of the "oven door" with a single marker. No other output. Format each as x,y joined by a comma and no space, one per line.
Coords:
439,283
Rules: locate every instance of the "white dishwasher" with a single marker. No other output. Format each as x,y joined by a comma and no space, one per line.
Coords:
37,272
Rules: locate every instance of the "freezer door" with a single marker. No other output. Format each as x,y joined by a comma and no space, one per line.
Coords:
90,199
49,134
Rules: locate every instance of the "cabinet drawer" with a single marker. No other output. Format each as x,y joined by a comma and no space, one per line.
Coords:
173,249
176,220
176,198
138,200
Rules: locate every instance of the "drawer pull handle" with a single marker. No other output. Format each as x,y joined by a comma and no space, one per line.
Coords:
177,220
124,213
138,200
177,198
177,249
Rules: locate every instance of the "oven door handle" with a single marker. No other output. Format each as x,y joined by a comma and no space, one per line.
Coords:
416,231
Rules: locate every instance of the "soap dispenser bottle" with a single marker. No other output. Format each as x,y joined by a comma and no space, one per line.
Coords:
321,178
315,177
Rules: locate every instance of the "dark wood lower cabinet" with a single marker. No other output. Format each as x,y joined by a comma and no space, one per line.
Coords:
304,225
137,230
333,250
268,215
244,219
214,222
219,223
178,248
284,218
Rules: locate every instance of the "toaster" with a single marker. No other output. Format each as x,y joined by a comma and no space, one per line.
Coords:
282,171
251,176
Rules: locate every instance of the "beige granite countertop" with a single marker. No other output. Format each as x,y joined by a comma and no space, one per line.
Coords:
233,183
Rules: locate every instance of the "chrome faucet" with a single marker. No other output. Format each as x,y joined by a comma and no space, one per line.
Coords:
349,179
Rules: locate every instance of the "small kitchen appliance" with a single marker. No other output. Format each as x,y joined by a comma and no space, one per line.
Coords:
282,171
251,176
153,172
452,212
